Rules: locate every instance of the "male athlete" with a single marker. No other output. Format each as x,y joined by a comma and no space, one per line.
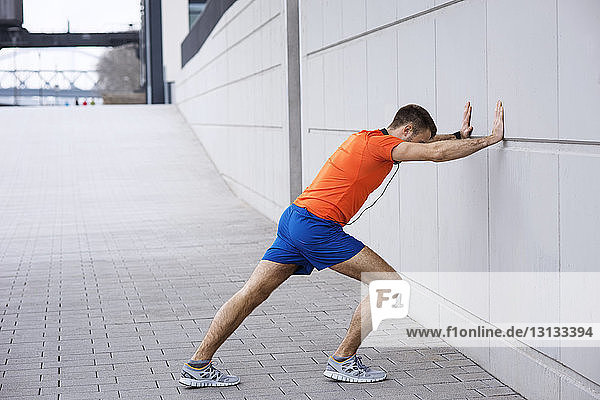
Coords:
310,234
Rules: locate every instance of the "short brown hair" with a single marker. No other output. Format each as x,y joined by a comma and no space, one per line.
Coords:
415,114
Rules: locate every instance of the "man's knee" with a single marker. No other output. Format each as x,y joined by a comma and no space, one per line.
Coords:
366,266
255,293
267,276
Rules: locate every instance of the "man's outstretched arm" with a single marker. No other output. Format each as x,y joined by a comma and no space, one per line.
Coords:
442,136
450,149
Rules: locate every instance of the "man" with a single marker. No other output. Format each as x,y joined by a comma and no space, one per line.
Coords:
310,234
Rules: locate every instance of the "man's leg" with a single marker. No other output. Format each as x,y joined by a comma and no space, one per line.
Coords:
360,326
267,276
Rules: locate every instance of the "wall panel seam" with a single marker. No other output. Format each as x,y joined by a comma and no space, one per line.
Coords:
379,28
233,18
487,176
237,125
558,171
193,74
437,180
262,71
229,177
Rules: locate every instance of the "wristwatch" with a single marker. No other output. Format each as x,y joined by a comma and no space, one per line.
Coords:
457,134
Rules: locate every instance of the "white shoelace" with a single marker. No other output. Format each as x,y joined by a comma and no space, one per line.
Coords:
357,366
211,372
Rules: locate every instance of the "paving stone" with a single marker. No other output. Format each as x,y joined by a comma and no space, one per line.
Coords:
264,392
355,394
452,395
401,391
473,376
496,391
89,396
73,381
71,389
456,387
157,393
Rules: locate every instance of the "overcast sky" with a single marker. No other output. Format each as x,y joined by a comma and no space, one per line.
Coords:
84,16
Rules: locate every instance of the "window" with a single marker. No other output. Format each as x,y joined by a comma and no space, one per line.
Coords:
196,7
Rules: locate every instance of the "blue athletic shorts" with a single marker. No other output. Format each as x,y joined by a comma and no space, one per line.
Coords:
310,242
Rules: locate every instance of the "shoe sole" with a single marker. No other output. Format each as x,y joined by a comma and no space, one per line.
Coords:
199,383
344,378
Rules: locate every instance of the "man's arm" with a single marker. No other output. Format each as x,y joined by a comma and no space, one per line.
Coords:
441,151
442,136
450,149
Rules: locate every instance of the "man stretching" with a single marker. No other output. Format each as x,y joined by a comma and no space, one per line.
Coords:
310,234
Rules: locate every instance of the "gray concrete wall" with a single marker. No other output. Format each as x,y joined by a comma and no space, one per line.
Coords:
175,27
233,94
528,204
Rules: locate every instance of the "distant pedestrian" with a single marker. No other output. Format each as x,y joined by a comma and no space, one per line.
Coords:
76,101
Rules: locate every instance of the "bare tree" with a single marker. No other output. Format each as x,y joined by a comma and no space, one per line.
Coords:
119,70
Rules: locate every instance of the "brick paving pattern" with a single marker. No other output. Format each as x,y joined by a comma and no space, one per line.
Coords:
119,241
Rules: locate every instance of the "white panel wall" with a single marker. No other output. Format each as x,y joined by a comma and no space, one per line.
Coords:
517,206
382,78
579,80
522,65
175,22
579,221
233,95
460,30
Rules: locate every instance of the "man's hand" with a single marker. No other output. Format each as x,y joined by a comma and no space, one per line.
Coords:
446,150
466,128
498,128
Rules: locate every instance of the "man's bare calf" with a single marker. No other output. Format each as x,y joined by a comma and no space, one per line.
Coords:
267,276
360,326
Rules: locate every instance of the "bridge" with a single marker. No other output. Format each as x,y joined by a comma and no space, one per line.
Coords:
57,83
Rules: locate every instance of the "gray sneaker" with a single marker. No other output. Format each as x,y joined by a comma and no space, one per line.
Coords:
352,370
206,376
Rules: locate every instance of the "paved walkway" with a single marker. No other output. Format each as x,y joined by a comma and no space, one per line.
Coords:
119,241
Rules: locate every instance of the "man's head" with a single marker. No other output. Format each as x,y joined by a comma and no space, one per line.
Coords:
412,123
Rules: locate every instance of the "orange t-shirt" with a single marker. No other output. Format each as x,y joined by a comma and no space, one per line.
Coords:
352,172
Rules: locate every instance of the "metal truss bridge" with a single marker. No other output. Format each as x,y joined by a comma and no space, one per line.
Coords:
45,83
